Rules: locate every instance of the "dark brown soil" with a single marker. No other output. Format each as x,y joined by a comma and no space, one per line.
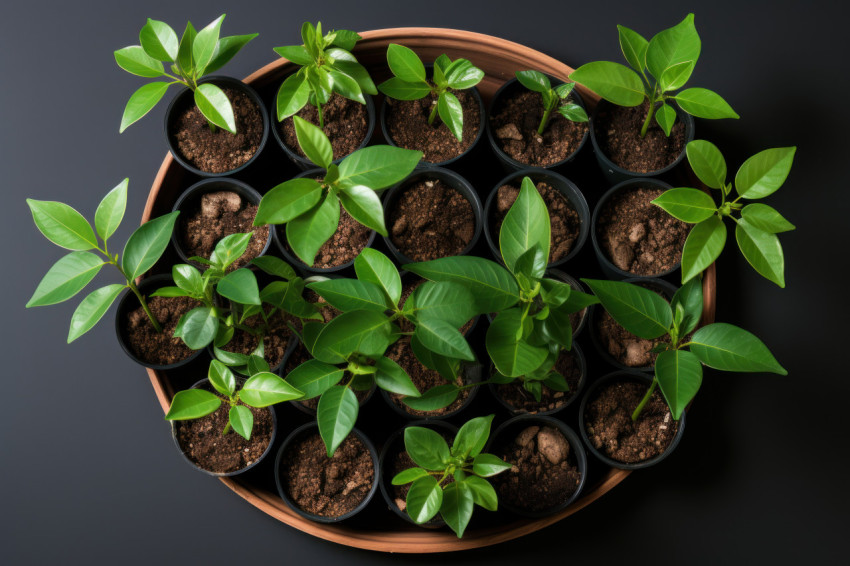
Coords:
159,348
397,463
564,220
344,246
407,123
638,236
431,220
523,402
618,135
543,474
610,428
346,125
220,151
215,216
515,121
329,487
275,341
202,442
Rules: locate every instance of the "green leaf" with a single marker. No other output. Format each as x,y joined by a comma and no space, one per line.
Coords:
446,301
634,47
558,327
197,327
391,377
192,404
612,81
159,40
707,162
184,51
287,201
405,64
426,448
690,297
492,287
526,225
141,102
295,53
511,355
451,113
275,266
226,49
764,217
66,278
188,278
729,348
534,81
443,338
762,250
763,173
409,475
676,76
147,244
531,264
346,86
556,382
554,293
434,399
242,420
672,46
240,286
309,37
363,204
170,292
424,499
365,332
372,266
351,294
229,249
578,301
486,465
456,509
313,378
573,113
346,39
62,225
293,95
110,211
265,388
642,312
336,414
313,142
203,48
689,205
483,493
215,106
703,246
135,61
445,366
309,231
703,103
92,309
221,378
471,438
462,74
359,73
397,89
378,167
666,117
679,375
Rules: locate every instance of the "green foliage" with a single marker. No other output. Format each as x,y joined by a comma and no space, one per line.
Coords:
432,491
552,97
756,224
409,82
659,67
196,54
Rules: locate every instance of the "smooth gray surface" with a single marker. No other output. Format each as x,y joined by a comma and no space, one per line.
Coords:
89,472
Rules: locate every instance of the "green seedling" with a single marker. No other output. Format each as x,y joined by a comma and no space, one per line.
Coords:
536,81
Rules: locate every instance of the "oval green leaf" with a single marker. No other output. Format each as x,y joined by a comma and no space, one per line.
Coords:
729,348
363,204
313,142
424,499
351,294
634,47
673,46
451,113
391,377
471,438
159,40
762,250
147,244
313,378
203,48
512,356
492,287
265,388
141,102
688,205
197,327
240,286
242,420
456,509
642,312
766,218
427,448
704,103
336,415
526,225
405,64
612,81
702,247
679,374
62,225
400,90
192,404
66,278
110,211
135,61
707,162
374,267
215,106
221,378
443,338
92,309
309,231
378,167
763,173
287,201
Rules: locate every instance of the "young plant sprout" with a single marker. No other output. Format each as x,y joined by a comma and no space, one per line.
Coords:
450,481
661,66
310,208
260,390
327,67
678,368
757,225
410,83
67,228
538,82
195,55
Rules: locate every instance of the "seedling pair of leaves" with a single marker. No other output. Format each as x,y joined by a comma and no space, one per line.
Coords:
678,367
327,67
198,53
659,67
261,389
311,209
432,491
536,81
67,228
411,83
532,322
757,225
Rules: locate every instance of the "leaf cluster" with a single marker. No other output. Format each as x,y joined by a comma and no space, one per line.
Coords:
536,81
196,54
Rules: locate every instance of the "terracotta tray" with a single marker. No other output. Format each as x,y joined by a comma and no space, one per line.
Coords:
499,59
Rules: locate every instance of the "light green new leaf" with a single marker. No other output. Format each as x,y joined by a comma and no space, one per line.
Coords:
573,112
363,204
612,81
451,113
642,312
184,51
405,64
242,420
763,173
141,102
526,225
424,499
135,61
398,89
492,287
351,294
486,465
188,278
229,249
313,142
215,106
359,73
66,278
378,167
159,40
309,231
346,39
666,117
241,286
192,404
313,378
703,246
221,378
672,46
472,436
110,211
511,355
265,388
762,250
226,49
288,200
443,338
203,48
679,374
295,53
729,348
197,327
634,47
703,103
147,244
336,415
688,205
92,309
534,80
408,476
676,76
461,74
707,162
293,95
62,225
374,267
456,509
346,86
391,377
766,218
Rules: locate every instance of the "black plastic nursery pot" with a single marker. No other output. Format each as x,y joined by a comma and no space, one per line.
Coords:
450,178
470,372
509,163
564,186
616,174
130,302
590,396
191,200
205,384
395,445
310,429
185,99
610,270
507,433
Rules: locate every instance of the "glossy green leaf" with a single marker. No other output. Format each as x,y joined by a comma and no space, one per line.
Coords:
188,278
526,225
192,404
229,249
679,374
141,102
400,90
110,211
531,264
378,167
424,499
762,250
427,448
374,267
313,142
451,113
690,297
135,61
197,327
447,301
764,217
391,377
573,113
62,225
558,327
365,332
184,50
240,286
170,292
265,388
434,399
242,420
226,49
295,53
445,366
92,309
634,47
309,231
511,355
702,247
203,48
534,80
314,377
482,492
159,40
215,106
486,465
443,338
612,81
405,64
359,73
642,312
462,74
689,205
471,438
675,76
346,86
666,117
763,173
346,39
703,103
578,301
275,266
554,293
492,287
409,475
364,205
221,378
288,200
293,95
707,162
310,39
456,509
336,415
351,294
147,244
672,46
729,348
66,278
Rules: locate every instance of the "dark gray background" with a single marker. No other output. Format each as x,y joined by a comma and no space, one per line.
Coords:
89,471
